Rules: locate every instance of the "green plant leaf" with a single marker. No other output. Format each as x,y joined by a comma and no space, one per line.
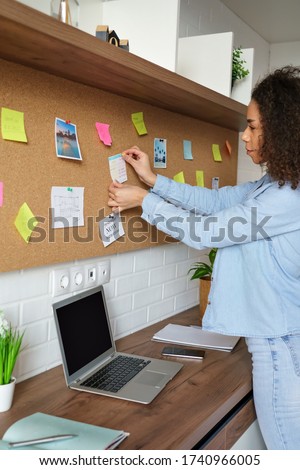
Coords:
204,270
10,344
238,70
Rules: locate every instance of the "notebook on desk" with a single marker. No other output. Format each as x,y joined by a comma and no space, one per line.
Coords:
89,354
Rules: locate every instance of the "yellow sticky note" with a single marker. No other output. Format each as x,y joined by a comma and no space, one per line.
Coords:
200,178
179,178
12,125
138,121
216,153
25,222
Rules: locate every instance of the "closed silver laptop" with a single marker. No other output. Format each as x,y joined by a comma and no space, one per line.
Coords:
89,353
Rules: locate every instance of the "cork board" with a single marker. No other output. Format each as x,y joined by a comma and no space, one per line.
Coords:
29,170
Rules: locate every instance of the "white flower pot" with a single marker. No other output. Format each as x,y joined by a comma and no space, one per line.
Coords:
7,394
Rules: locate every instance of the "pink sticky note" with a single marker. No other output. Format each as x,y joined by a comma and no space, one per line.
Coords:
1,193
103,132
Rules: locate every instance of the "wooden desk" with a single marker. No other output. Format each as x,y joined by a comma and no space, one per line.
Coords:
201,396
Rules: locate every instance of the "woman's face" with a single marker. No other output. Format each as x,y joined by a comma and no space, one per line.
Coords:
253,134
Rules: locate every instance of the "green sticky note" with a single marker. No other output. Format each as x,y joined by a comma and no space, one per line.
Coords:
12,125
138,121
200,178
216,153
25,222
179,178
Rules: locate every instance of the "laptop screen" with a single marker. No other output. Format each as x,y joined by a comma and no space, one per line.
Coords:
83,328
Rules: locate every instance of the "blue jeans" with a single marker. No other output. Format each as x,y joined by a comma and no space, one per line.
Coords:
276,389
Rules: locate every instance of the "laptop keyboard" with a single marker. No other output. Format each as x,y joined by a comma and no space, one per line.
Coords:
116,374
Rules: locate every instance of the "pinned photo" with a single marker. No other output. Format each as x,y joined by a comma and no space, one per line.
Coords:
160,153
66,140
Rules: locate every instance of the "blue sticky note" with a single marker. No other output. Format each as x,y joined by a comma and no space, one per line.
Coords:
187,150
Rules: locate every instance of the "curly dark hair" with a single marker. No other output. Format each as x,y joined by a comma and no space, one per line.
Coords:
278,100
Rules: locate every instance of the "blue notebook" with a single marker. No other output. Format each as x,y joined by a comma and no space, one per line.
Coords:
37,425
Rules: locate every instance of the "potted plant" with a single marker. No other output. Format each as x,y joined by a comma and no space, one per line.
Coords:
203,271
238,70
10,345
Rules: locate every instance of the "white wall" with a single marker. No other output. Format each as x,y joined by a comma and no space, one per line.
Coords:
88,14
43,6
287,53
150,26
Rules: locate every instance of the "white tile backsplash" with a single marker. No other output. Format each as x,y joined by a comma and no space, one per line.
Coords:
147,296
161,310
160,275
133,283
145,287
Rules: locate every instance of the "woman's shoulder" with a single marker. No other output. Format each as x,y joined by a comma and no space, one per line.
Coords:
281,194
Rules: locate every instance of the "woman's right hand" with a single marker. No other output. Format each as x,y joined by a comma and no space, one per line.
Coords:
140,162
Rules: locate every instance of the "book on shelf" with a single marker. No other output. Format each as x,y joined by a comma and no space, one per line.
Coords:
40,425
195,337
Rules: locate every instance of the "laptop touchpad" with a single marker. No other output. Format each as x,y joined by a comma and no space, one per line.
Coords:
151,378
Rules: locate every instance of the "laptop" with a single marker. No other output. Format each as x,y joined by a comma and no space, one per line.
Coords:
88,350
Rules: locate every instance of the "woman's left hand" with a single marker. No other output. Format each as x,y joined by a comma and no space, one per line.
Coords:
124,196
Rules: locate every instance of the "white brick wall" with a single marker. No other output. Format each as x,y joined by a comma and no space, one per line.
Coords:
145,287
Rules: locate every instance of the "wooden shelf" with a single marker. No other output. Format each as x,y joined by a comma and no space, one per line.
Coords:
39,41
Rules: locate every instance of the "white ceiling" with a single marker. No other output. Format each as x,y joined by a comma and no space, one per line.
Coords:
274,20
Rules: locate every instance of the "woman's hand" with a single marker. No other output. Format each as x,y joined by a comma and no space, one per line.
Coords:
140,162
124,196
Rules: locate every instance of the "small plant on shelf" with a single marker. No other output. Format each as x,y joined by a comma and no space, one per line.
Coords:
238,70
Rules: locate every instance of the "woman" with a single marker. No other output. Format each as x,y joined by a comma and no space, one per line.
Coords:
256,227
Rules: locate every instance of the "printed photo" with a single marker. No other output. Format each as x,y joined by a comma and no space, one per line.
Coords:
66,140
160,153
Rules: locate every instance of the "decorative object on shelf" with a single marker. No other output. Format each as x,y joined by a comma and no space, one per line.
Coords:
105,34
238,70
10,344
203,271
66,11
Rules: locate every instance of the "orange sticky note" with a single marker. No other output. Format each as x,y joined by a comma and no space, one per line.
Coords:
228,146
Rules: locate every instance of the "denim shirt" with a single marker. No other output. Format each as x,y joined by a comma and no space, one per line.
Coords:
255,289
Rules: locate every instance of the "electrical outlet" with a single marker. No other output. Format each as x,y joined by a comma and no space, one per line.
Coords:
60,282
103,271
77,278
90,276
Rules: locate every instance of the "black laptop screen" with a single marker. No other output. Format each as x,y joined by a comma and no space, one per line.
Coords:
84,330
